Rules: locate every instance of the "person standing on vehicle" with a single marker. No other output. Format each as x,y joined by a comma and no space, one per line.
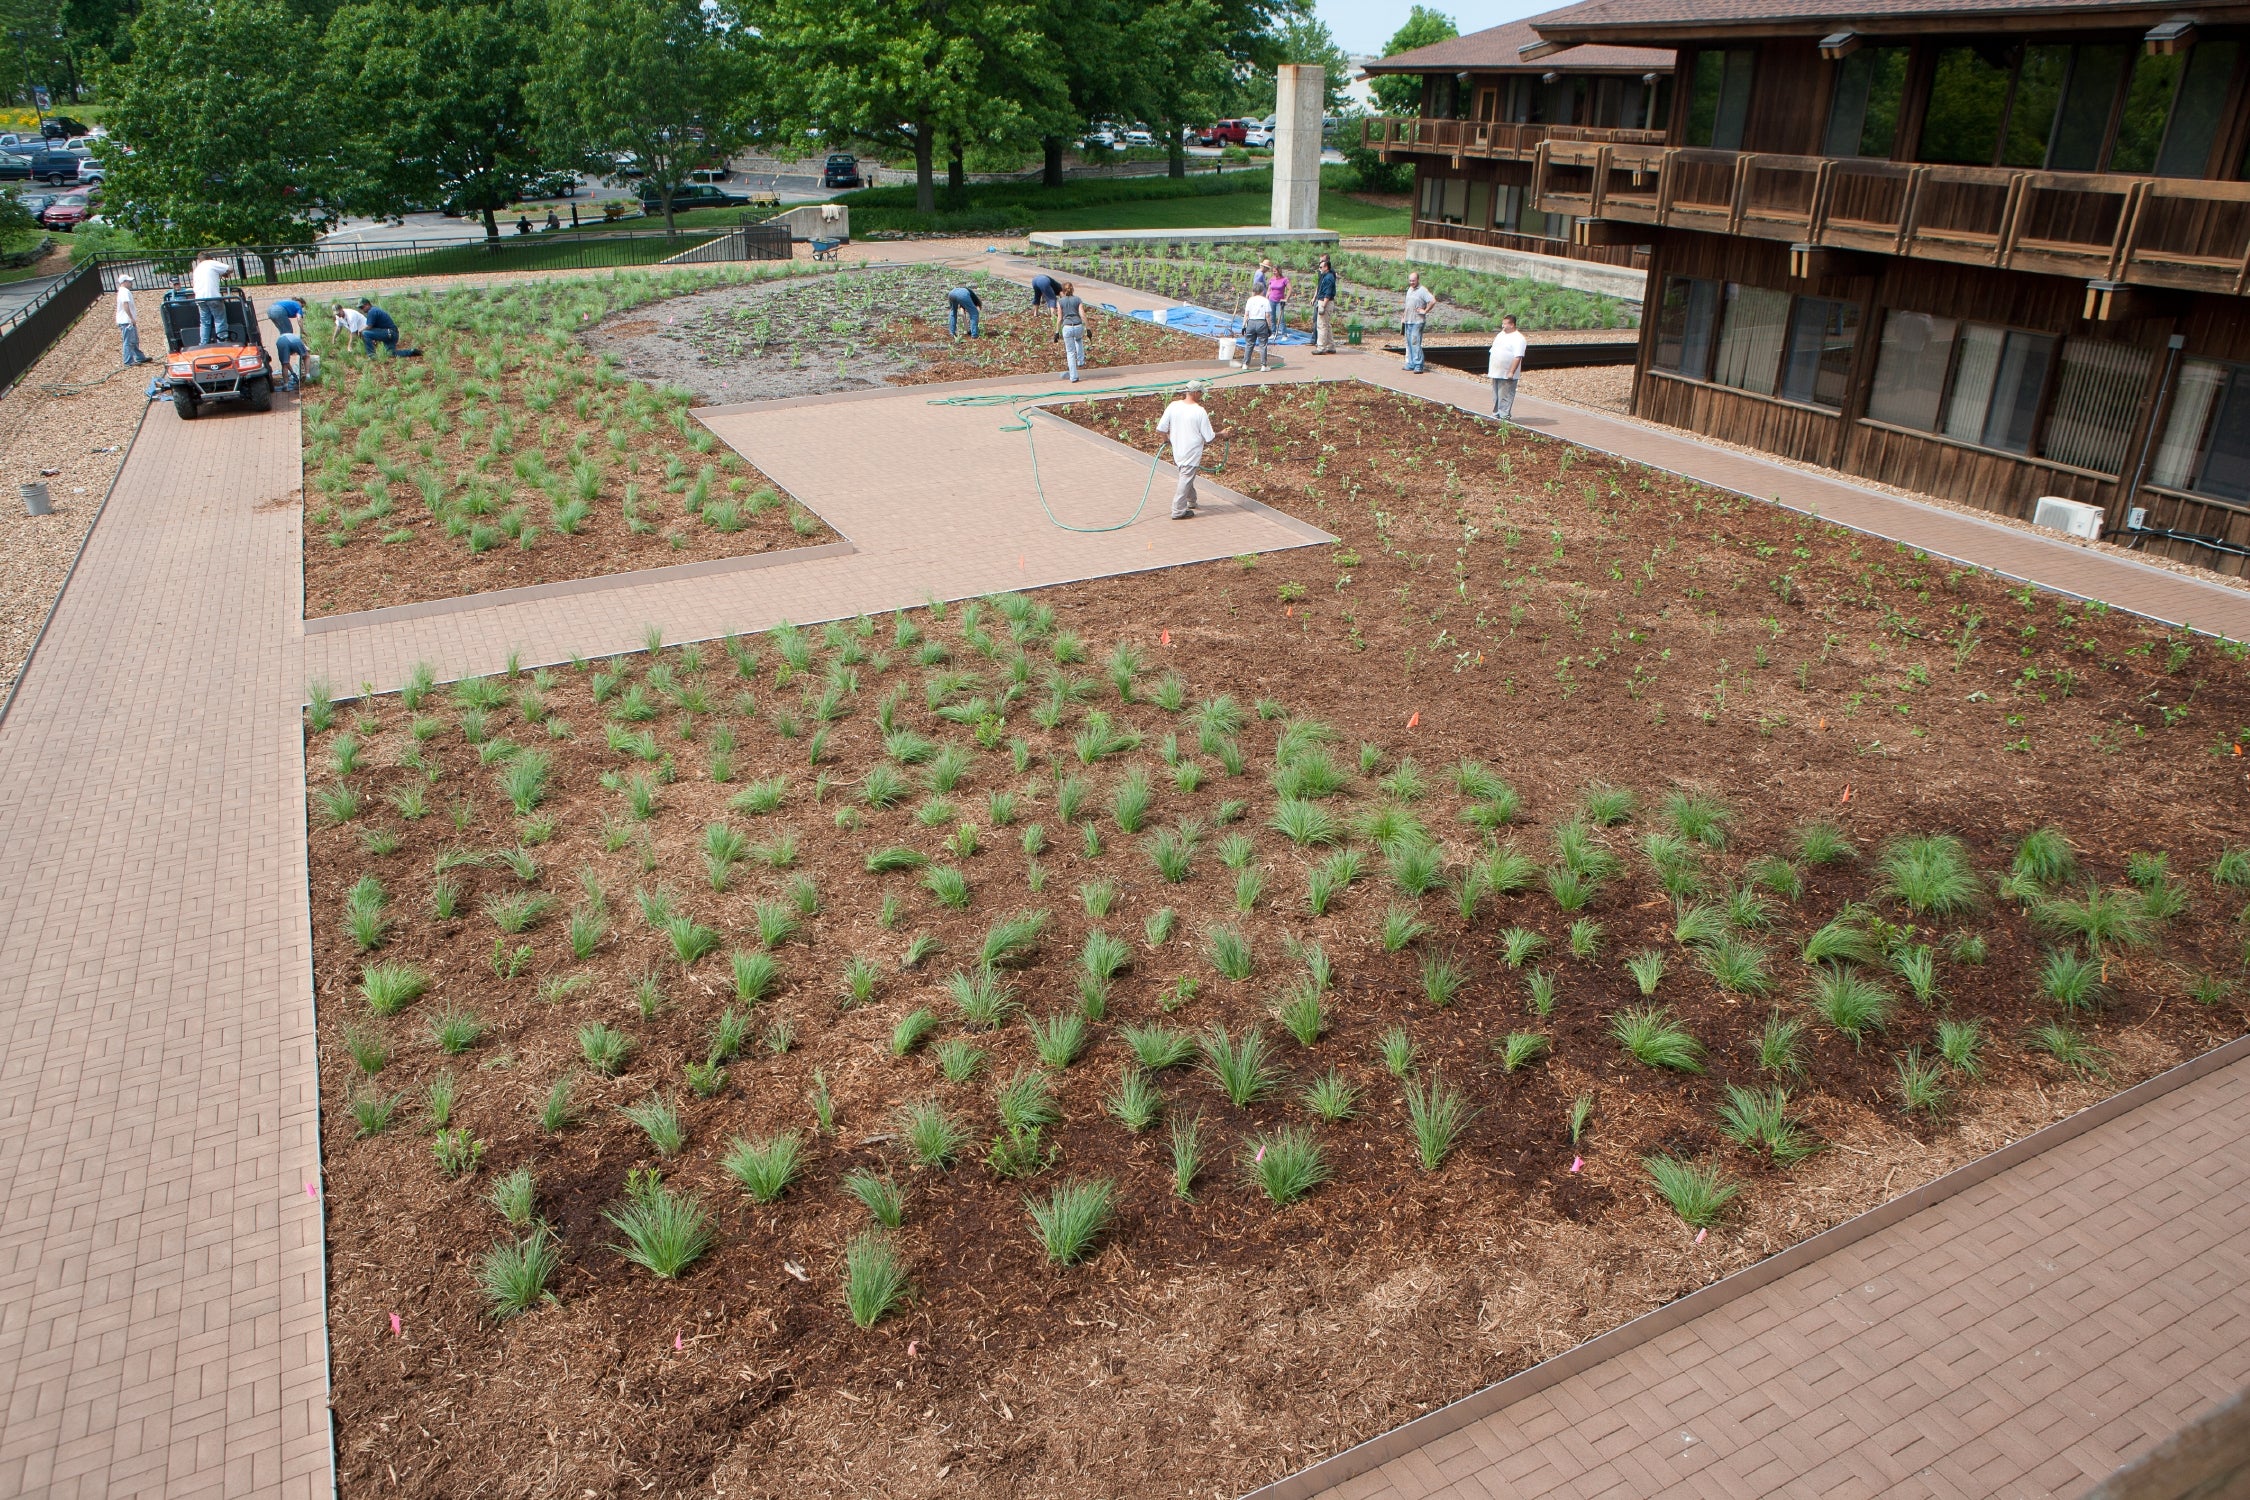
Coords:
1277,292
1506,365
1189,426
1418,305
1257,329
1324,309
380,331
128,330
207,279
962,299
1044,289
1070,326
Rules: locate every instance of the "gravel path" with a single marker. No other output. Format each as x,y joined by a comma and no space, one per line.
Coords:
82,440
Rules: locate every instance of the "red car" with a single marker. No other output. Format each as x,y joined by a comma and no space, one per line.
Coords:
1225,133
67,212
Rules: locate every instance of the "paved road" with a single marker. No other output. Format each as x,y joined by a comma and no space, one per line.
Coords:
17,294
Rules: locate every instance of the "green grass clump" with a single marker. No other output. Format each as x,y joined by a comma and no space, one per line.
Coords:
1850,1002
1651,1035
1285,1164
1761,1122
1228,948
665,1232
1158,1046
1240,1066
765,1167
514,1274
2045,858
1437,1114
1698,1193
389,988
1929,874
1068,1221
874,1278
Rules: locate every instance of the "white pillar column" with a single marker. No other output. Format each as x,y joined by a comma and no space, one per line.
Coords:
1296,147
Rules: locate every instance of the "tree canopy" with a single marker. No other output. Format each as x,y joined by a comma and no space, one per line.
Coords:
1401,93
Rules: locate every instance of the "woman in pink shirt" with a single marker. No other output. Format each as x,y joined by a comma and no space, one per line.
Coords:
1277,292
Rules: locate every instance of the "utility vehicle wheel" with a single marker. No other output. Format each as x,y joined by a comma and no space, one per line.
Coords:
261,395
184,404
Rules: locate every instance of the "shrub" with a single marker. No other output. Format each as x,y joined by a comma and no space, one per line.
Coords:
874,1278
1696,1192
1851,1003
514,1273
1284,1165
1069,1220
1240,1067
1438,1114
1653,1037
665,1232
1930,874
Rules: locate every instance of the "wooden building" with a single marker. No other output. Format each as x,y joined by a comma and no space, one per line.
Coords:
1486,107
1993,250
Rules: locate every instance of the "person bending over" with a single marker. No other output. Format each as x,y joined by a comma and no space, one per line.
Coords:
1044,289
962,299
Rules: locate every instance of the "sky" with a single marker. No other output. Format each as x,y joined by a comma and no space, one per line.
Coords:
1365,25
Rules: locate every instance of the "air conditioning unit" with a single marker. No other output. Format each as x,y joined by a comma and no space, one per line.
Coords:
2071,517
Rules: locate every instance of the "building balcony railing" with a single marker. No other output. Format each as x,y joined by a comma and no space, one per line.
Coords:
1484,140
2174,232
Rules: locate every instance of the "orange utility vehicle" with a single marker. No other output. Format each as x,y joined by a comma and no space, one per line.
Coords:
236,368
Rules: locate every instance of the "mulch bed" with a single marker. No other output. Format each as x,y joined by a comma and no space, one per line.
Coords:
1494,596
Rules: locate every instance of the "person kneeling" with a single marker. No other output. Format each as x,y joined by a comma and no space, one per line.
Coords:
380,330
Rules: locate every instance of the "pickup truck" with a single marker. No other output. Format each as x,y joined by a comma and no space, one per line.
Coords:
693,195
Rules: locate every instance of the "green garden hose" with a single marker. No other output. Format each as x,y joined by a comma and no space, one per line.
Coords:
1017,401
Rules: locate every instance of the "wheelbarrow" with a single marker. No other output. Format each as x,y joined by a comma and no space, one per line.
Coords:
826,249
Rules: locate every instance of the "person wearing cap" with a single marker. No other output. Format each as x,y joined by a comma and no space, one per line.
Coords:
128,330
1189,427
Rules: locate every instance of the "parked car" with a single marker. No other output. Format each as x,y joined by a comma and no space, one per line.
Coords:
692,195
60,128
54,166
1139,138
1257,135
14,167
625,164
842,171
90,170
66,212
1224,133
35,204
719,173
554,185
1107,140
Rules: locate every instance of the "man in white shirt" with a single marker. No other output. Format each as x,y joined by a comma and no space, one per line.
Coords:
1418,305
208,280
1257,328
1506,364
128,331
1189,427
350,324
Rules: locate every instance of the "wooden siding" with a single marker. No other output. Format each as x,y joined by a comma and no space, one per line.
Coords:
1788,98
2006,484
1507,174
1800,432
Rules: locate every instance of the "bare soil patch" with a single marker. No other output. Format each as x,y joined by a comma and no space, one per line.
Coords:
862,328
1495,597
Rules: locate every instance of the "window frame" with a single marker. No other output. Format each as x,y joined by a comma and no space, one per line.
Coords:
2232,373
1724,294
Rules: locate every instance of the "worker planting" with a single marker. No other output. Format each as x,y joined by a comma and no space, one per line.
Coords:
1560,888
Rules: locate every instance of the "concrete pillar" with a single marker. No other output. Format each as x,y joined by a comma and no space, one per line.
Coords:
1296,147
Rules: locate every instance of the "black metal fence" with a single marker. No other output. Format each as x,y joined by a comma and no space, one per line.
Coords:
32,329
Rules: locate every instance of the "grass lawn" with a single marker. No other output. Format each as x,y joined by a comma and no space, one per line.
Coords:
1345,215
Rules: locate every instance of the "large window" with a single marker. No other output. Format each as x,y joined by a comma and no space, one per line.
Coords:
1754,339
1822,332
1863,116
1721,101
2098,391
1981,384
2206,446
2051,105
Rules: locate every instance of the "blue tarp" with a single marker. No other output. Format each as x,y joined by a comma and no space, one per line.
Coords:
1204,323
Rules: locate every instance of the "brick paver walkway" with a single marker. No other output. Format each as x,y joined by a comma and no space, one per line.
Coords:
2021,1337
160,1259
932,501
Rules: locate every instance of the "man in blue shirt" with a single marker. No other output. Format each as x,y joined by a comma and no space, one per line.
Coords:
289,348
380,329
1044,289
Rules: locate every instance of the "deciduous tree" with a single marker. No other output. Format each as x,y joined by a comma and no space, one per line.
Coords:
228,124
1401,93
437,99
673,82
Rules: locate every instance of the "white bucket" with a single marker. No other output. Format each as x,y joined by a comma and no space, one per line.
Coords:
1226,351
1164,315
312,368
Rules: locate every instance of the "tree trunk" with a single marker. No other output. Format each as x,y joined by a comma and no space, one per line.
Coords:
925,186
1175,150
956,171
665,192
1051,172
491,225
